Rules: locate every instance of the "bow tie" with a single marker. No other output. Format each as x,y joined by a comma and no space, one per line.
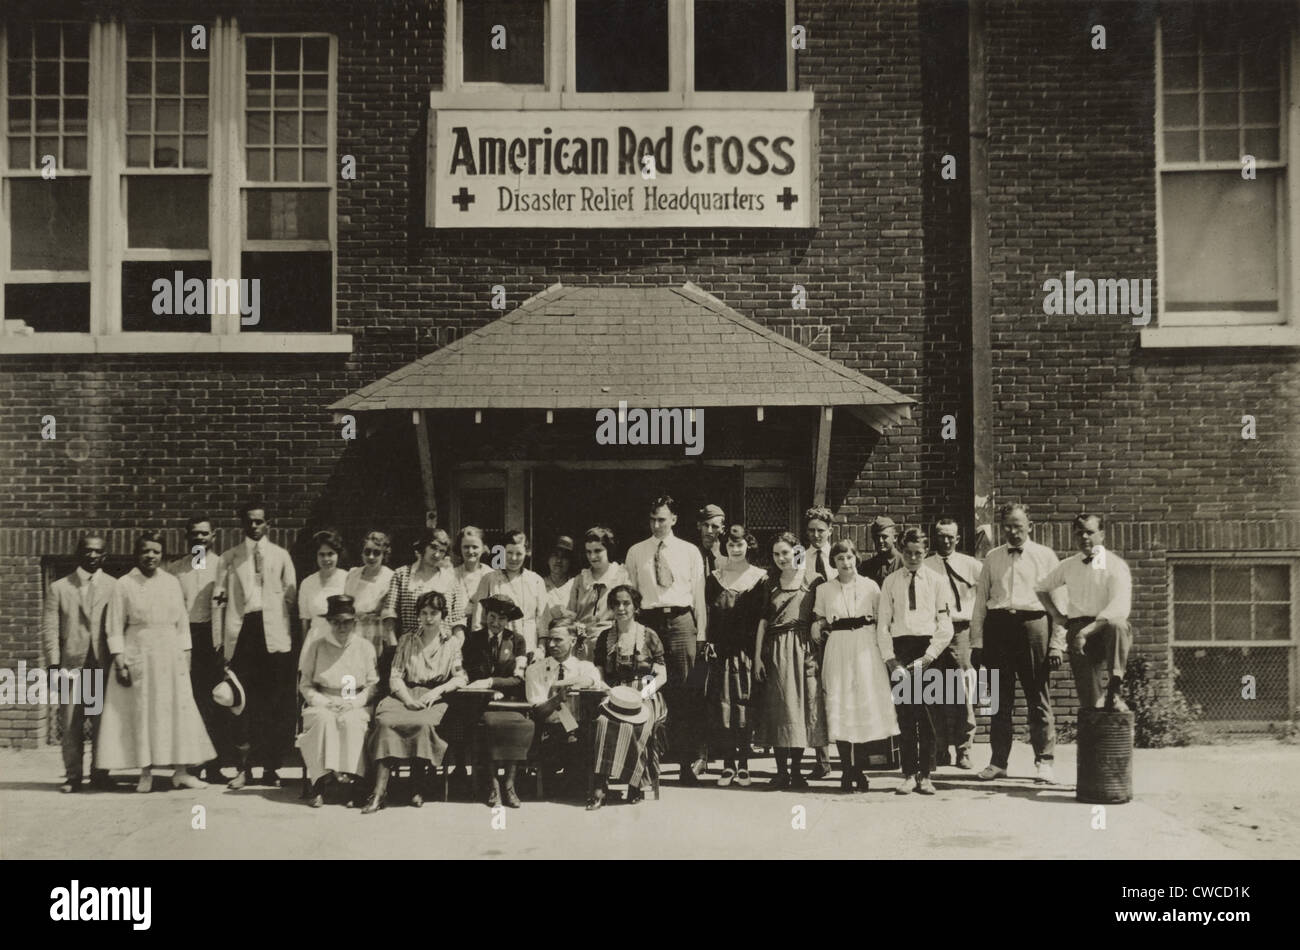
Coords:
1015,552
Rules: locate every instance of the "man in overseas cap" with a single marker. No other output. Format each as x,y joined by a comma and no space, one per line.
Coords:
886,560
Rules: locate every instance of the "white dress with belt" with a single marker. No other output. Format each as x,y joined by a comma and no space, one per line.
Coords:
859,704
155,720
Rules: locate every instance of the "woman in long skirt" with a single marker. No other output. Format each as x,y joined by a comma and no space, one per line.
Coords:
735,593
791,715
630,657
859,703
337,677
150,718
426,668
368,587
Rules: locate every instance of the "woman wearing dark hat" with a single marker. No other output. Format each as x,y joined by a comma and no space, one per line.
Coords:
494,659
735,593
336,676
630,657
426,668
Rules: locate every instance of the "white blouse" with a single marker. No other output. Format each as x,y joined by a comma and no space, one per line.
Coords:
858,598
312,602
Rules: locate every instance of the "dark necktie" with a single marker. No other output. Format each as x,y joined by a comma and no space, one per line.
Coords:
1088,559
494,645
257,564
821,564
663,573
911,591
952,582
1015,552
600,596
561,671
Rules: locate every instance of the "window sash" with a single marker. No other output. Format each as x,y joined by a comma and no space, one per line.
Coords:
1210,602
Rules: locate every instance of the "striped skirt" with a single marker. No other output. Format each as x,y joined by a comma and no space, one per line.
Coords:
624,751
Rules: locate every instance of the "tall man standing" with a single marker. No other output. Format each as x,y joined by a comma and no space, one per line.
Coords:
955,722
253,597
1023,642
196,570
1100,592
669,574
817,568
711,521
886,560
72,635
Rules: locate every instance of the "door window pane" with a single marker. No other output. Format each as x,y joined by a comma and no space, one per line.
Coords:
287,214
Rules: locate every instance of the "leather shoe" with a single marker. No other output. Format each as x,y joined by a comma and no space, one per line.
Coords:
239,781
635,795
510,798
68,787
925,786
373,804
990,772
819,772
597,799
417,800
494,794
963,761
100,781
270,778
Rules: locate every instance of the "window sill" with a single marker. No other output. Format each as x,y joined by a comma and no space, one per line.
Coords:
1230,336
278,343
469,100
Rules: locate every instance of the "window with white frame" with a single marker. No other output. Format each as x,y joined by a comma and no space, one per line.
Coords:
1224,241
209,155
665,49
1233,635
46,259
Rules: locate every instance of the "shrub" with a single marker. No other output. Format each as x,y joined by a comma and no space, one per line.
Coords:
1162,715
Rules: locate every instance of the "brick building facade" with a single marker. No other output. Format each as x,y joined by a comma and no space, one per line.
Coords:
1063,412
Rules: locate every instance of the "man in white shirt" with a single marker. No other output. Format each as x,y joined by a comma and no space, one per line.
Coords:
955,722
669,574
1022,641
1100,591
914,613
547,681
196,570
252,601
817,567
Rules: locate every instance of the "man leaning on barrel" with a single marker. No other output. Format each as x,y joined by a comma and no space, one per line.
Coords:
1100,590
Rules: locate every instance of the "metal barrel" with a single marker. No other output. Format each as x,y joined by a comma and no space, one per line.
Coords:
1105,773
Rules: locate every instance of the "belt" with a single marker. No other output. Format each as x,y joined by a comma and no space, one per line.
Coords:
1023,614
664,611
852,623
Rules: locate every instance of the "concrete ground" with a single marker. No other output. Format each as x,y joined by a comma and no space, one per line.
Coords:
1226,801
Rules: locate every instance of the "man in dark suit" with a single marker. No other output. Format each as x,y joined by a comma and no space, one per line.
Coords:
72,634
254,596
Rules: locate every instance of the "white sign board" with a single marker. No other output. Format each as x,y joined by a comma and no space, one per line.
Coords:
622,169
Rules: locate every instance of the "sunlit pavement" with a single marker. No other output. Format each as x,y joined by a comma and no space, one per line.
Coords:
1233,801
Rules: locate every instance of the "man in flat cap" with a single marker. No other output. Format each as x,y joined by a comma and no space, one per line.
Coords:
886,560
711,521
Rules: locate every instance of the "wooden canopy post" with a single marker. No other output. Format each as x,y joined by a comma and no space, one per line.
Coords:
822,454
423,447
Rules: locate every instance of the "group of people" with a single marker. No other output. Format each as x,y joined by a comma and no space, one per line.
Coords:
687,651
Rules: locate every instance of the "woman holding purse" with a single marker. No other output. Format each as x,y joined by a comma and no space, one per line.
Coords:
150,718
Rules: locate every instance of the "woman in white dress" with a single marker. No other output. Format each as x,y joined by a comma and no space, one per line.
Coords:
150,718
325,583
337,677
859,703
368,587
467,575
588,600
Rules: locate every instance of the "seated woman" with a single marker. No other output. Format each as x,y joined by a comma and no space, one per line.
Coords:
494,659
426,667
337,677
631,660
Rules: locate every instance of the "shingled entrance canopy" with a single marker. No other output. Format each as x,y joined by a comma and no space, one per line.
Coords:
592,348
657,347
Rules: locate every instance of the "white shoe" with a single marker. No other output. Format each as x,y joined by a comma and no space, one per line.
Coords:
726,778
990,772
742,778
146,781
183,779
1043,773
908,784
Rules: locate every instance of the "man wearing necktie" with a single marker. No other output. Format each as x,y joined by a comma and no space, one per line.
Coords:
1012,634
817,569
253,598
710,521
1100,591
547,681
72,635
914,618
955,721
669,574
